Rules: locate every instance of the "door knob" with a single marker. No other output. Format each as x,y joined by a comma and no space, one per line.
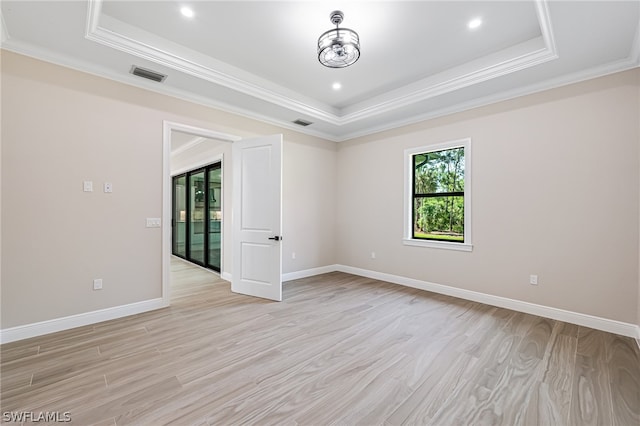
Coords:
277,238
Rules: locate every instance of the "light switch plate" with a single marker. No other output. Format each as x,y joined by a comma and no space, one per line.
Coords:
154,222
87,186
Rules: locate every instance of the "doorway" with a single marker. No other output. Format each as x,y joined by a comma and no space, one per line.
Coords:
256,182
188,148
197,216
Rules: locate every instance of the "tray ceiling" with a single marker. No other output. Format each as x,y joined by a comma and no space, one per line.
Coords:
419,58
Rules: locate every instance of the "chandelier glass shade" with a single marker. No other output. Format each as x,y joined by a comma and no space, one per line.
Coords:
339,47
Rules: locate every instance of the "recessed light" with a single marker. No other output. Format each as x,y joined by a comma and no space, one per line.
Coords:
188,12
336,86
474,23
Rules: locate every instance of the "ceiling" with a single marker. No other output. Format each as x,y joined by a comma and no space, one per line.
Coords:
419,59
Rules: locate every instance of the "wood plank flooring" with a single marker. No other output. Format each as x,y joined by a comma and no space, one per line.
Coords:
340,349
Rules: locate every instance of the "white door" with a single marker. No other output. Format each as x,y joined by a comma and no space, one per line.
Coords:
257,217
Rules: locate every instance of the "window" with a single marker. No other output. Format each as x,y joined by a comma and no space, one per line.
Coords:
438,196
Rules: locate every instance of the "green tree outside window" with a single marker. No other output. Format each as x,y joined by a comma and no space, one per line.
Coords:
438,195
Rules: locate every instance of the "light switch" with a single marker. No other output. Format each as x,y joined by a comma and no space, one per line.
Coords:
108,187
87,185
153,222
97,284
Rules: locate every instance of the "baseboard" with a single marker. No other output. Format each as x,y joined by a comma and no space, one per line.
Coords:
59,324
604,324
226,276
296,275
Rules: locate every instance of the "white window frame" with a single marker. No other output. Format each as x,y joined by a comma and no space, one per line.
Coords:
408,196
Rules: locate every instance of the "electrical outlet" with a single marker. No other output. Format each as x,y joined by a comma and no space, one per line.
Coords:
97,284
373,254
533,279
293,255
108,187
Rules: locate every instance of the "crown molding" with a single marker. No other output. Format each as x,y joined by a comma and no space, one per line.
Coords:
454,79
90,68
546,29
4,33
634,53
554,83
115,40
446,82
47,55
453,84
632,61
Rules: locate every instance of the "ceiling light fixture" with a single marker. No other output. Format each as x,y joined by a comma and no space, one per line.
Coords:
474,23
336,86
187,12
339,47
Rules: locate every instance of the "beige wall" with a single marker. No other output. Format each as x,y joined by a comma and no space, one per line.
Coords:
61,127
555,193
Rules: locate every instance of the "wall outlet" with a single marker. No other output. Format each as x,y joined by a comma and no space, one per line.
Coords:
373,254
533,279
108,187
97,284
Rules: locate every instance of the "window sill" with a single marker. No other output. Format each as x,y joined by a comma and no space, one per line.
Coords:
437,244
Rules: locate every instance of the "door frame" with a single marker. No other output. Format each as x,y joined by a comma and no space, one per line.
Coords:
167,194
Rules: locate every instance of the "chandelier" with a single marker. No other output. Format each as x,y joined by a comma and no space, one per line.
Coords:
339,47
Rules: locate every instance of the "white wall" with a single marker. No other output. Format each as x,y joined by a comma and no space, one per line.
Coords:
61,127
555,193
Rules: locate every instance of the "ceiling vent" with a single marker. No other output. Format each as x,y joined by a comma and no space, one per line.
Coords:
301,122
148,74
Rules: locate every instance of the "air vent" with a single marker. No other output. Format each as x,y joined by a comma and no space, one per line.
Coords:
301,122
148,74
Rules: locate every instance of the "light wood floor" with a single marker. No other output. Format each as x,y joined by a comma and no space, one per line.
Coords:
340,349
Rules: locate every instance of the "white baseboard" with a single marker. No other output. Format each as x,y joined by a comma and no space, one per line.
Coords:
604,324
79,320
296,275
59,324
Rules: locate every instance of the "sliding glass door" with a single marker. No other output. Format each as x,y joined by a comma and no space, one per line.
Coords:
197,216
179,215
215,216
